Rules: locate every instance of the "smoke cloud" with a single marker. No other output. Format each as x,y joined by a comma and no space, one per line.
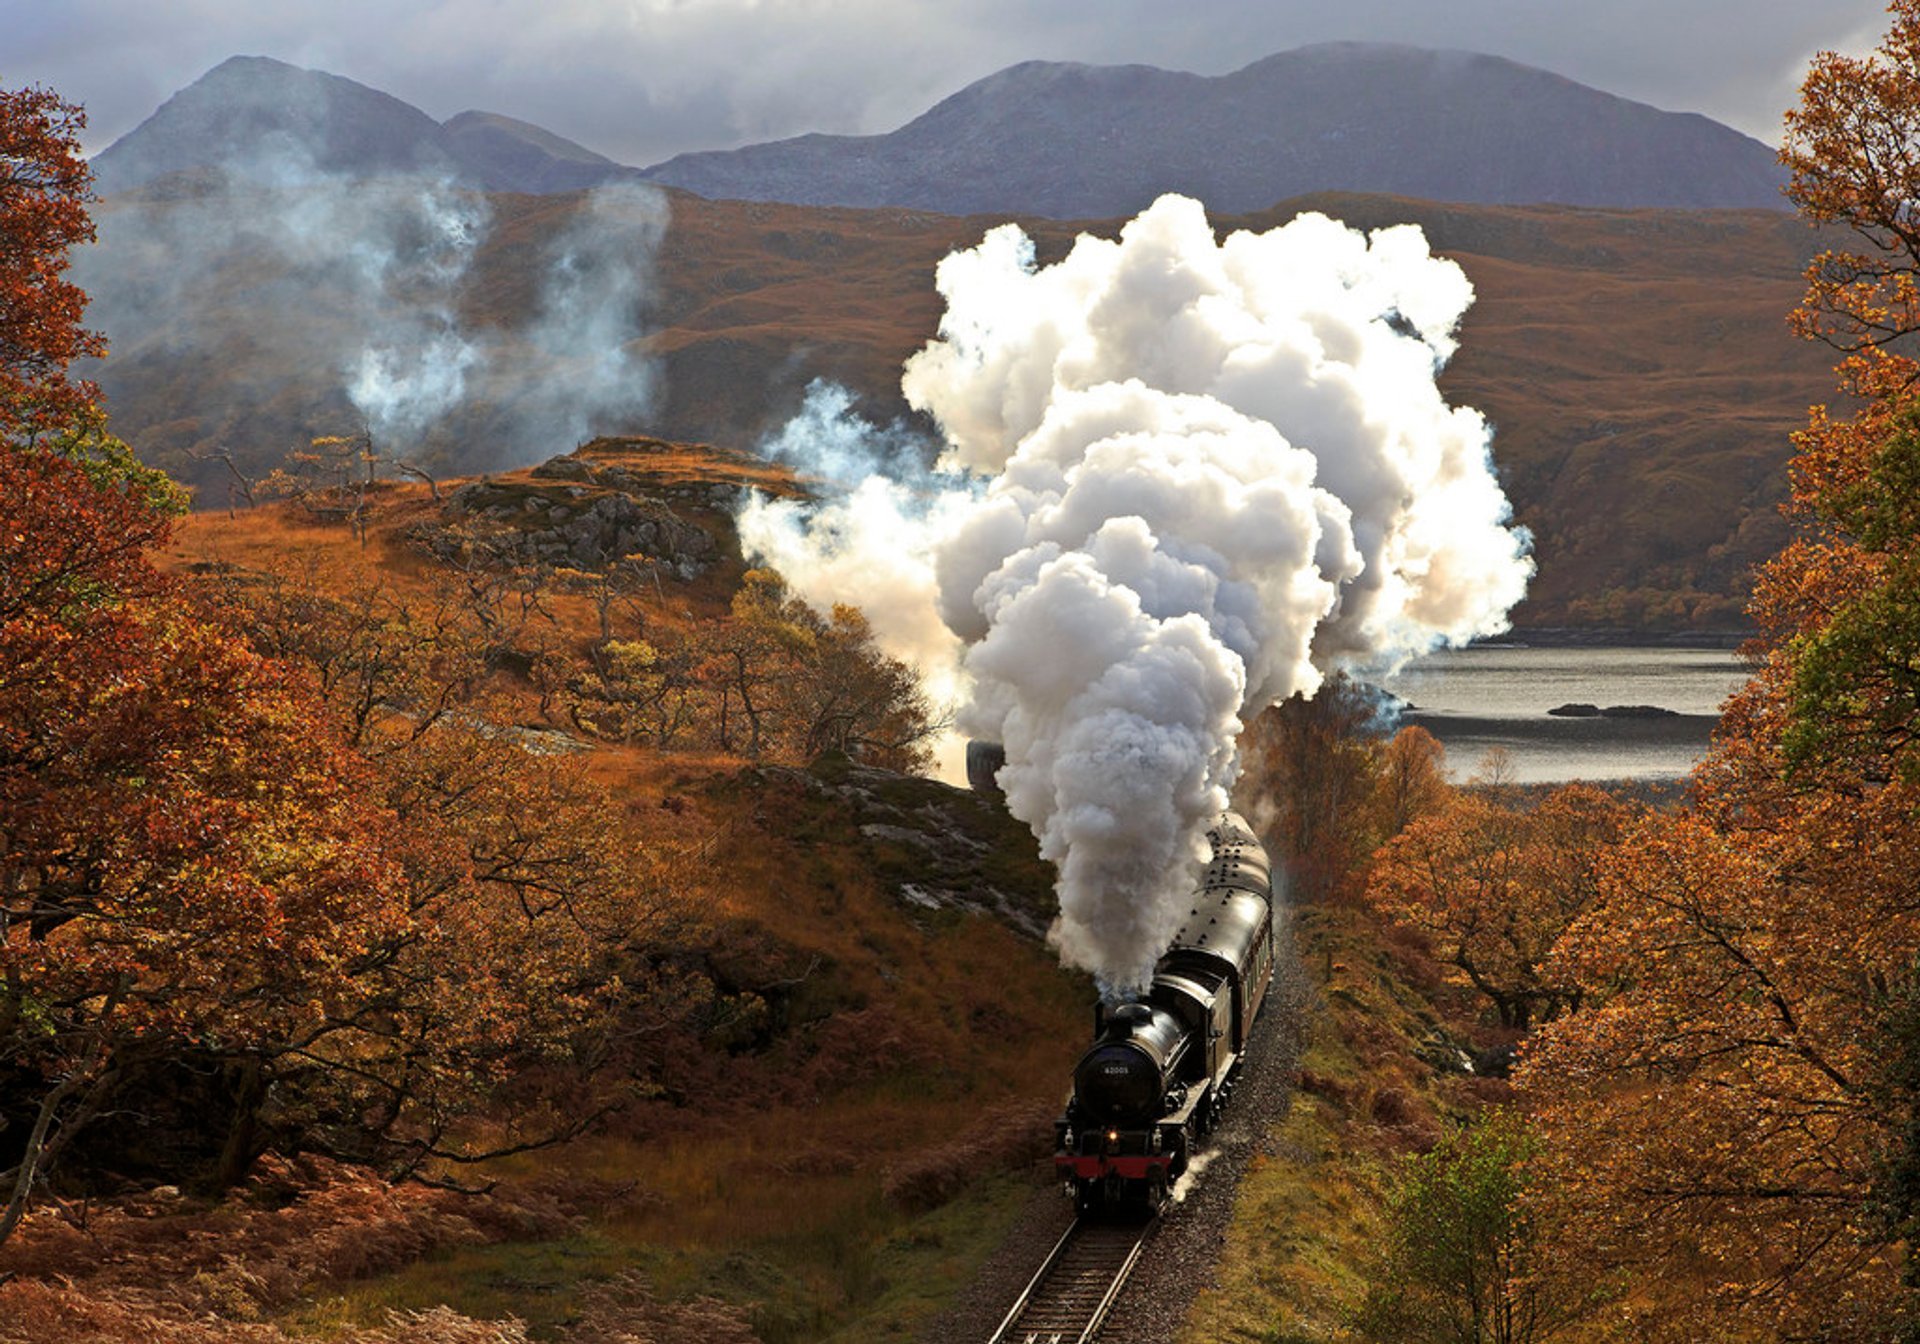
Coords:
405,264
580,369
867,540
333,303
1203,475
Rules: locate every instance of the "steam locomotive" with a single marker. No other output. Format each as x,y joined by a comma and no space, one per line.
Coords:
1161,1067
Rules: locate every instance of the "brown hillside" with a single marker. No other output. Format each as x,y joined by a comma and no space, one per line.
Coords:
823,1145
1635,363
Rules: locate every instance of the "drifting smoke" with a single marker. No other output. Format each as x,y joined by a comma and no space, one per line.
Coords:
867,541
579,370
1206,474
405,264
1190,1178
331,303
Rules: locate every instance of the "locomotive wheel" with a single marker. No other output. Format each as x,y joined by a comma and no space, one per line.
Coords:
1156,1194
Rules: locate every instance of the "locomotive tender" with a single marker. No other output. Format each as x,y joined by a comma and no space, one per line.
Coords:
1161,1066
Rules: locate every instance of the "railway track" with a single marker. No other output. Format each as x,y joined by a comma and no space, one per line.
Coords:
1069,1298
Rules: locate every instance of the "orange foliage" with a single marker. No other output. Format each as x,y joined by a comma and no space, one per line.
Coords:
160,1268
1717,1118
44,186
1494,886
1850,146
240,905
1331,786
1727,1124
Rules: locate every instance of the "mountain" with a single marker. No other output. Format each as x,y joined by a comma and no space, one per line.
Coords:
1060,140
1083,141
503,154
267,120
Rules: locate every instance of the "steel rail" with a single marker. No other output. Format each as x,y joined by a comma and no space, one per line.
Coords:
1072,1311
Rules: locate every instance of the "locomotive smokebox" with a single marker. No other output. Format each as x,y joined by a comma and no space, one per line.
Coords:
1124,1077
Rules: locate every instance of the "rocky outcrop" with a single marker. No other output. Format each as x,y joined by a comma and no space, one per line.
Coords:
940,848
631,480
585,525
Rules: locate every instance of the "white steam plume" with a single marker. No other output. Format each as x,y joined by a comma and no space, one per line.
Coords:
579,370
1208,473
407,263
332,302
880,507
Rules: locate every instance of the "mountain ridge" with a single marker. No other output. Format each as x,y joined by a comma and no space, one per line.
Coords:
1064,140
1070,140
265,119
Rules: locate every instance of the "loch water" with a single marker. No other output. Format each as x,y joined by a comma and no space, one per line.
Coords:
1499,695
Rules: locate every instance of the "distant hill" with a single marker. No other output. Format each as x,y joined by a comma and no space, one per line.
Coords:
265,119
503,154
1635,364
1083,141
1043,138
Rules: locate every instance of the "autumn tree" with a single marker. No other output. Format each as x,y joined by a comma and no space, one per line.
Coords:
393,664
544,912
1716,1118
1493,885
179,854
1314,760
1850,146
1410,781
45,185
250,899
1732,1122
856,700
773,680
640,690
533,915
1458,1263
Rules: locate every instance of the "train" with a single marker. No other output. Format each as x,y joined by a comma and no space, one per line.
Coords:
1162,1066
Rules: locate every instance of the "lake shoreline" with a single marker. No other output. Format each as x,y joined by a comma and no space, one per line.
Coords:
1613,637
1502,696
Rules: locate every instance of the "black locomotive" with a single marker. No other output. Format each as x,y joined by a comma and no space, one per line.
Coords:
1161,1066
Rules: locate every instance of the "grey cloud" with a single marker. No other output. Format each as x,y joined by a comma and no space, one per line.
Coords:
650,78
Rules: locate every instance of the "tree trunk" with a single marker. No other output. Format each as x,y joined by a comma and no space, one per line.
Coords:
37,1147
242,1147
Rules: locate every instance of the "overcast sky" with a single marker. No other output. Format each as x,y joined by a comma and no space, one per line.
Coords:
639,80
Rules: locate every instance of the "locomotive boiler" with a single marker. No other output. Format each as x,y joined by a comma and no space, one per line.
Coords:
1162,1065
